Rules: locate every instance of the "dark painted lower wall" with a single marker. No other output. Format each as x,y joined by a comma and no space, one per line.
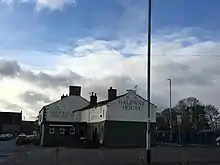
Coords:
127,134
121,134
108,133
57,139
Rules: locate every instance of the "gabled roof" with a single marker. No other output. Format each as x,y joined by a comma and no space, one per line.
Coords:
60,100
100,103
107,101
147,101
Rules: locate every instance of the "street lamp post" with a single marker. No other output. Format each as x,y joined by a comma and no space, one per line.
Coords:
148,84
170,121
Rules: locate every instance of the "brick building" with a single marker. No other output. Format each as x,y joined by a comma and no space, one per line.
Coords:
10,122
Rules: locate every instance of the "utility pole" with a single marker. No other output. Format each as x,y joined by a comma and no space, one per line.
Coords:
148,84
170,121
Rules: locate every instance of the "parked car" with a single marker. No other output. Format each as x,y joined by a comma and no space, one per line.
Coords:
30,138
5,137
2,137
21,140
217,141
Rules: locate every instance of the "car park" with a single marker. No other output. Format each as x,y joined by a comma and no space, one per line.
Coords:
21,140
5,137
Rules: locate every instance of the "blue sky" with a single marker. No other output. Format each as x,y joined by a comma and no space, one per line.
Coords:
24,28
36,33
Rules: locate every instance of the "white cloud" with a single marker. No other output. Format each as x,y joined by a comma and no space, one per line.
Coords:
53,4
8,2
98,64
40,4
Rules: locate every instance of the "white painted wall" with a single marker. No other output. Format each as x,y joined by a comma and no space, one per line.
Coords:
61,110
130,107
81,116
93,115
98,114
40,117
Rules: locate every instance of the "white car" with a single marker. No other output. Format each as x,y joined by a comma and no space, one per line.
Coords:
4,137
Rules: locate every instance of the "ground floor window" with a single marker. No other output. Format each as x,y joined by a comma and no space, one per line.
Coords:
72,131
62,131
51,130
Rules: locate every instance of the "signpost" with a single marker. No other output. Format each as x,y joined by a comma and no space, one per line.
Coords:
179,121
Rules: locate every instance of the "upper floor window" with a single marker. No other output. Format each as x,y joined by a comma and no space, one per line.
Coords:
51,130
62,130
72,131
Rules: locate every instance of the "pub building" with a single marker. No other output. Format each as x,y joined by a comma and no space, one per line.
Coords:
56,125
119,121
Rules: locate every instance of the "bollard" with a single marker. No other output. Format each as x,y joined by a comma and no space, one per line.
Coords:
57,156
100,156
142,158
184,156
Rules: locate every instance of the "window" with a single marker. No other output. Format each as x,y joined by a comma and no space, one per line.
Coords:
62,130
51,130
72,131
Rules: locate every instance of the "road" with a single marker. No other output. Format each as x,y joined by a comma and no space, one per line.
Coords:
7,149
35,155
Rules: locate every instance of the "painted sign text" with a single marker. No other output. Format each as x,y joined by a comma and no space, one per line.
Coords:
131,104
60,114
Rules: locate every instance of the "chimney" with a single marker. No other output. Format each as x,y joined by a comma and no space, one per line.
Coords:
112,93
63,96
93,99
74,90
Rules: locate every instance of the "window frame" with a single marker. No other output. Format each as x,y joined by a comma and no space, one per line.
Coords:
73,131
51,130
62,131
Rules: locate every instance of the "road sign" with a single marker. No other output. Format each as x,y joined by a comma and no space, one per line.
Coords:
179,119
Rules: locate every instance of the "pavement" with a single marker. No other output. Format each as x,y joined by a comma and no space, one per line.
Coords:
36,155
7,149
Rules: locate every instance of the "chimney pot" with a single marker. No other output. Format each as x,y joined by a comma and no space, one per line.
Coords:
93,99
63,96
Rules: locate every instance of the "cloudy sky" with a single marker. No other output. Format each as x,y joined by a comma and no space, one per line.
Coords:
46,45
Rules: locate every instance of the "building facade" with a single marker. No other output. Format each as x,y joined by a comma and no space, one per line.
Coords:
28,127
10,122
56,123
119,121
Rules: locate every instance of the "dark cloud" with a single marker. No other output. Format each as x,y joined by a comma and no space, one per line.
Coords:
198,77
52,81
32,97
9,68
194,80
13,69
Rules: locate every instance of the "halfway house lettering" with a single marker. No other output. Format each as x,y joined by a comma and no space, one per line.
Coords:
131,104
60,114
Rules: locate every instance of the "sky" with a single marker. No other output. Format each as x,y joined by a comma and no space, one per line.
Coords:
47,45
